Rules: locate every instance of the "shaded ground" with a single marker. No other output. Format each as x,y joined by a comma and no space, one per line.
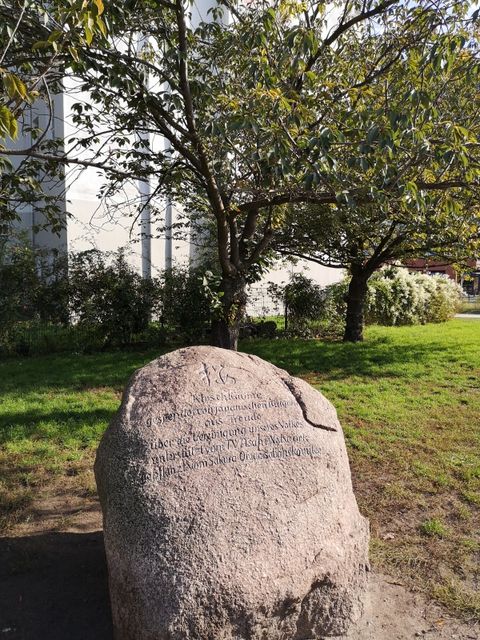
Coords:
53,586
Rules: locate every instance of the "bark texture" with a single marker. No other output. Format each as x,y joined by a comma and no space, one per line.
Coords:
356,298
226,329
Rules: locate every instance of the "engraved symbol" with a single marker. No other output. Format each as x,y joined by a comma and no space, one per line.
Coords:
216,374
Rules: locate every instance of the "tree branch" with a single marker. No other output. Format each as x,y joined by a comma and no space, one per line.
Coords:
74,161
342,28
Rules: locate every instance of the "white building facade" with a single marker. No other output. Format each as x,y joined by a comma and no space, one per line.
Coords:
90,224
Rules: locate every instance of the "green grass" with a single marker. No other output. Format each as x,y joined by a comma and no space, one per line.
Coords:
53,411
434,527
408,399
409,402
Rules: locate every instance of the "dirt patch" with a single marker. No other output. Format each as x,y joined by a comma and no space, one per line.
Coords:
62,514
394,613
53,584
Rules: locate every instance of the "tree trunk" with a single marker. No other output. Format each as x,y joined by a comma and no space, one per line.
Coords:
226,329
356,297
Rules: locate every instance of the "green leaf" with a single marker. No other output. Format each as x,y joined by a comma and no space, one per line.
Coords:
14,87
55,35
13,129
372,135
74,53
41,44
88,35
8,123
364,164
101,26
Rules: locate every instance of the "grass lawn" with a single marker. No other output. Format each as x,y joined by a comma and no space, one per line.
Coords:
409,402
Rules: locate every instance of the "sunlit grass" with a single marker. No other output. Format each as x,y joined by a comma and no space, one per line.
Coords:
409,402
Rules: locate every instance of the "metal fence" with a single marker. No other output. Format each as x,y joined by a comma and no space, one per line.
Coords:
471,304
262,304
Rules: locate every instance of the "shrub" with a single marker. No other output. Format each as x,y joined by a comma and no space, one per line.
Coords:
100,301
303,301
397,297
35,337
33,286
186,304
107,296
33,294
334,310
446,300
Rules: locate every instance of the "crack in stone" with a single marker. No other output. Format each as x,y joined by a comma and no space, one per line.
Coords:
303,406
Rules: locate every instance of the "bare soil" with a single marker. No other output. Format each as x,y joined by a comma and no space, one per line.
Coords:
393,612
53,584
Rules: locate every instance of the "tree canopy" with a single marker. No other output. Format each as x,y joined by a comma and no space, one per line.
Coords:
38,42
267,108
407,180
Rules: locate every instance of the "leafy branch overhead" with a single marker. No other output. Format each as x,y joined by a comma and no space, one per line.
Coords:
272,123
38,44
405,169
343,104
33,39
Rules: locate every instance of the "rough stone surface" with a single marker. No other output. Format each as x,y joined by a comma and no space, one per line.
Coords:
228,505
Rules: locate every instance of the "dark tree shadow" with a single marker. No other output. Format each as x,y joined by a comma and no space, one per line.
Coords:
67,423
54,587
337,360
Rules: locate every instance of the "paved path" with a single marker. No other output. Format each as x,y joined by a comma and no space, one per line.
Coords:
475,316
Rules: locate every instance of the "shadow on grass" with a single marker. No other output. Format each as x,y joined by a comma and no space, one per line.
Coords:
72,371
386,352
380,356
72,424
54,587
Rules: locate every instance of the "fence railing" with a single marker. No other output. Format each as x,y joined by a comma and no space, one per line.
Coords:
470,304
262,304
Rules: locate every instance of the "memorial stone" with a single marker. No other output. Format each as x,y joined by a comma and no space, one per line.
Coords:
228,506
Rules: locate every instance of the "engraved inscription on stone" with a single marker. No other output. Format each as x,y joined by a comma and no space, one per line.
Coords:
229,428
228,506
216,374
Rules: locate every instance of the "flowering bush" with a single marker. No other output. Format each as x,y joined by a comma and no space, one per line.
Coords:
398,297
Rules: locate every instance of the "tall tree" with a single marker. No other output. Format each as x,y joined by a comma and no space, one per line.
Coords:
408,178
241,103
360,241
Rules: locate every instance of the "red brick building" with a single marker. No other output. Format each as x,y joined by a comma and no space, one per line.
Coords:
469,280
